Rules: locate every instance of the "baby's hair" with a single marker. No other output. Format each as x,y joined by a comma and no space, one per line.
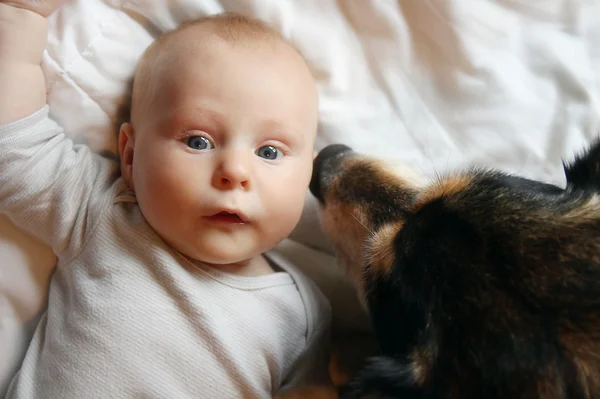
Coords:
231,27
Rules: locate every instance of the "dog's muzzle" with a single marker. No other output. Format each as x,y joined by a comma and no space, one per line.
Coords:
325,167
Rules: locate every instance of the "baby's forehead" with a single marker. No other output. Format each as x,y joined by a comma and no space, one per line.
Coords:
173,52
197,39
231,29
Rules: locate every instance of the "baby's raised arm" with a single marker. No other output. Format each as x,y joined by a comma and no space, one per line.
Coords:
49,186
23,32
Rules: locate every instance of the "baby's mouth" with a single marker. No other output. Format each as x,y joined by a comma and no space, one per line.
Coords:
227,217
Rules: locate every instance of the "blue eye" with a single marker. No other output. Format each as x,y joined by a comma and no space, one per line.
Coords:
269,152
199,143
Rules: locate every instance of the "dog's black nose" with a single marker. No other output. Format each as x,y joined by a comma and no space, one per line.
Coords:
324,167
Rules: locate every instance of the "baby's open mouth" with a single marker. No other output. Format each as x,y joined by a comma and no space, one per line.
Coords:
227,217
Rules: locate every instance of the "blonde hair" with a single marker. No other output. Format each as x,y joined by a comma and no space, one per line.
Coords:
231,27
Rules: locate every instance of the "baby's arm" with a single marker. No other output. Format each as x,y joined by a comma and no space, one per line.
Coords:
23,32
48,185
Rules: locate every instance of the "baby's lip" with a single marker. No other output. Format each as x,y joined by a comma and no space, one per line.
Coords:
229,216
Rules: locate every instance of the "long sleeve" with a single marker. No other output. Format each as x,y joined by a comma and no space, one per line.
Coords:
312,367
50,187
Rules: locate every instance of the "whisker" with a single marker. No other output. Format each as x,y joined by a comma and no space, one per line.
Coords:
361,223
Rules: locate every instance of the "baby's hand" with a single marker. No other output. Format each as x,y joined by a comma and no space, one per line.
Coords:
42,7
23,31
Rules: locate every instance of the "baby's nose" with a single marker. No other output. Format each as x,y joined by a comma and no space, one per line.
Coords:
232,173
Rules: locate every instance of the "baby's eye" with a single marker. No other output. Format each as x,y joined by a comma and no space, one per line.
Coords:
269,152
199,143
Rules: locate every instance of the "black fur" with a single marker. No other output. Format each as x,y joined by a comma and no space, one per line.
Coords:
583,172
494,291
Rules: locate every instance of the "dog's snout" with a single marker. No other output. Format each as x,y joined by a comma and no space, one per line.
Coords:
324,167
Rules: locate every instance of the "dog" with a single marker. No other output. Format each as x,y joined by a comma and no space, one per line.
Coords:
479,284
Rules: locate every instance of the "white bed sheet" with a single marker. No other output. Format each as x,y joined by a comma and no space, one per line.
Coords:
437,84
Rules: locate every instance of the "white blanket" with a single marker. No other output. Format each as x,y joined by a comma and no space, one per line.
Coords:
437,84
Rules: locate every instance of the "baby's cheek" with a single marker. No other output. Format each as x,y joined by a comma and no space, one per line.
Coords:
168,173
164,192
288,206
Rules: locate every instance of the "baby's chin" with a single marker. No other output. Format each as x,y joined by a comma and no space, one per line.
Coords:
224,256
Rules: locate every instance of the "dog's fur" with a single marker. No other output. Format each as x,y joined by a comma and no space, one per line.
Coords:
479,285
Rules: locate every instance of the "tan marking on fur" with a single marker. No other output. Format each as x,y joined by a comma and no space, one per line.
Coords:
390,173
588,210
420,359
347,227
443,188
418,369
583,369
546,388
401,171
584,351
337,376
381,256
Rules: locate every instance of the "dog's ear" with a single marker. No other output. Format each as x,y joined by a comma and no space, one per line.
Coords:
583,173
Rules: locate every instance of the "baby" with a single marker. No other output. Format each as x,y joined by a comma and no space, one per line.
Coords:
166,283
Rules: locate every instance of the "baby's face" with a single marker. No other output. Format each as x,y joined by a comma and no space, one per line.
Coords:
223,156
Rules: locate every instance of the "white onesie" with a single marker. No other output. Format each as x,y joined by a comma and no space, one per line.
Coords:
127,315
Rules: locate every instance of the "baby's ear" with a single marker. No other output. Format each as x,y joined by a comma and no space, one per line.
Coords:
126,152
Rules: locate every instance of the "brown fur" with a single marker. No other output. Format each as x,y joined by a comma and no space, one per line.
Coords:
480,284
443,188
381,254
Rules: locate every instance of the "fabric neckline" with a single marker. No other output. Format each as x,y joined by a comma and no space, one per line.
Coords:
247,283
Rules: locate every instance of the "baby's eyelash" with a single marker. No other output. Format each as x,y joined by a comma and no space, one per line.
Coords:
285,150
186,134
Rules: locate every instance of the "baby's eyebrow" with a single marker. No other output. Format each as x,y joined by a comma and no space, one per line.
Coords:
199,111
189,116
278,128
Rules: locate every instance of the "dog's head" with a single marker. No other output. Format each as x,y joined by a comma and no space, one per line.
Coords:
374,211
364,203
